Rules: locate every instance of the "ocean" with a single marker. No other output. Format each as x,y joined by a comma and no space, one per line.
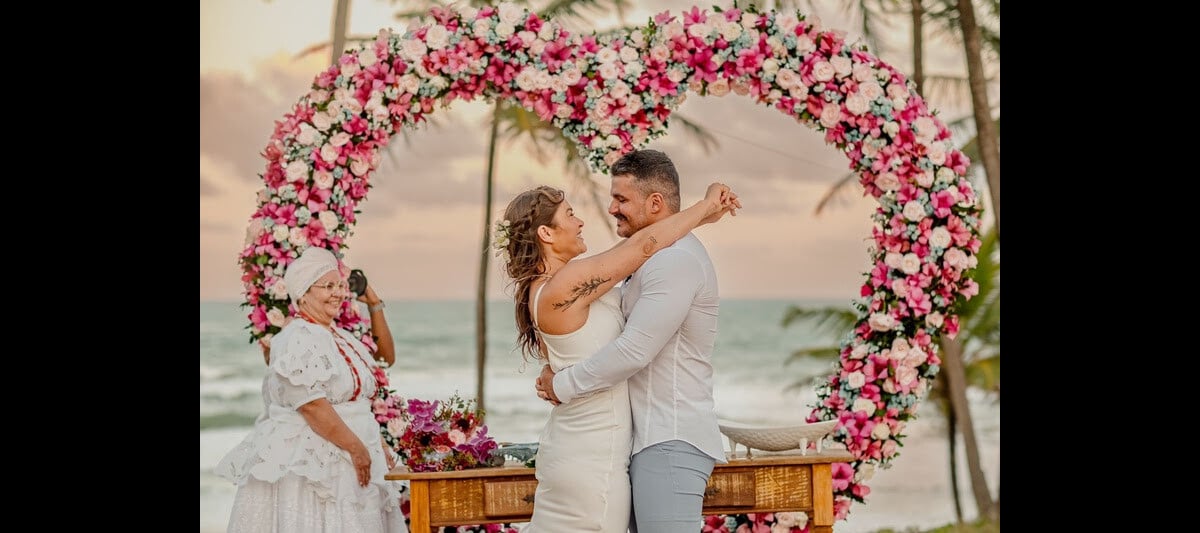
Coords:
435,358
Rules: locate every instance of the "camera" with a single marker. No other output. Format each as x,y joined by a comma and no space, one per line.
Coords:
358,282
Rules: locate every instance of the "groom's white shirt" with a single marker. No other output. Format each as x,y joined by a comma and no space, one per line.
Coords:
665,351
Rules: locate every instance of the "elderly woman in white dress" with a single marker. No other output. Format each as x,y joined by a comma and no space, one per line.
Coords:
314,461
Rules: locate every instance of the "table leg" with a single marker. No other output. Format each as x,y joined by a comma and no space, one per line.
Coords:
822,485
418,507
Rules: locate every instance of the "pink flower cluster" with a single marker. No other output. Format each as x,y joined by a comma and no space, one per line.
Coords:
614,93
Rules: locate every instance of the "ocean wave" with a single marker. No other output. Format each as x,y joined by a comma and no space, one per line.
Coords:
226,420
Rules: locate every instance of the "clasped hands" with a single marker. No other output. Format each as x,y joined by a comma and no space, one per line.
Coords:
544,384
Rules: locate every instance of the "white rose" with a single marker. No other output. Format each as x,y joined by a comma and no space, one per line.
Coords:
307,135
891,128
887,181
323,179
770,65
358,166
882,322
900,287
892,259
297,237
525,79
856,380
527,37
871,90
253,230
329,153
275,317
889,386
862,73
823,71
866,471
870,149
939,237
571,76
910,264
607,55
676,75
881,431
786,22
438,82
480,28
350,69
412,49
505,30
914,357
894,90
279,233
936,153
899,104
437,37
511,13
629,54
831,115
366,57
279,290
546,33
863,405
841,65
857,104
945,175
619,90
297,170
563,111
860,351
322,120
339,139
699,30
934,320
789,79
719,87
955,258
924,178
914,210
925,129
608,71
329,220
672,30
731,30
805,44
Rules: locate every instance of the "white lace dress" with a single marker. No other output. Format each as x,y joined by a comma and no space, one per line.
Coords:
583,452
289,478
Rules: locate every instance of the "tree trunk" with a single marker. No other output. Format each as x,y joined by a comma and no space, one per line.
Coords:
952,438
956,379
484,257
918,47
985,128
341,20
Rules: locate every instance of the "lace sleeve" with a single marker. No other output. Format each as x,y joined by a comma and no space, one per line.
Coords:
305,367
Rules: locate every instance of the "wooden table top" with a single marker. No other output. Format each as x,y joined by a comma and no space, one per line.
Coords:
761,458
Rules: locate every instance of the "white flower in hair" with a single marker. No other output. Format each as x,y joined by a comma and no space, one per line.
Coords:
500,241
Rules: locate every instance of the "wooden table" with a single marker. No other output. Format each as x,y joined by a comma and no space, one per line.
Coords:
767,483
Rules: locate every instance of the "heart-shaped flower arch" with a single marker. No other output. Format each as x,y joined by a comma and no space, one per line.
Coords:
613,94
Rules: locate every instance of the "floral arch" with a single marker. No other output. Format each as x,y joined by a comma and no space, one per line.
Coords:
613,94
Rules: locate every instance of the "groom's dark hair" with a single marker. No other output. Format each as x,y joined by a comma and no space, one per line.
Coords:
653,172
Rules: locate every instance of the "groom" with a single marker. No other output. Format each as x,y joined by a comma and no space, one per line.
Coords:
665,351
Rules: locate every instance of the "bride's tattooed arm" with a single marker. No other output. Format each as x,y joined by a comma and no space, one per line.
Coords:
583,289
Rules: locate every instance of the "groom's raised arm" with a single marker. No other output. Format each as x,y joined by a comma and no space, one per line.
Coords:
669,284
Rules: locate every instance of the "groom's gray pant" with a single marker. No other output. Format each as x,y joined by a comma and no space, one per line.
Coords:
668,481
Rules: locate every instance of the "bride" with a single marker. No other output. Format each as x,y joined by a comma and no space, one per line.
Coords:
566,310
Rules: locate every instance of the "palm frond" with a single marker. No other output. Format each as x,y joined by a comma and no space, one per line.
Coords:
583,11
698,133
824,320
840,193
828,353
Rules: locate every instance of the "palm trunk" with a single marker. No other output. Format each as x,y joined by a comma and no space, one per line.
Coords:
341,19
956,379
989,142
918,48
484,256
952,439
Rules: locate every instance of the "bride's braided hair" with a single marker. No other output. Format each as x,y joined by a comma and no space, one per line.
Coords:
525,213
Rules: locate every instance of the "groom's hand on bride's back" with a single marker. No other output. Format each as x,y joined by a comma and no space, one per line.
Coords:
545,385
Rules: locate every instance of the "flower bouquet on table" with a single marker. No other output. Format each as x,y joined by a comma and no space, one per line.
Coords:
796,522
442,436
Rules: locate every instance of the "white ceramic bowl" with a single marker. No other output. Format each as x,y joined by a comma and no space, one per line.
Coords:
775,439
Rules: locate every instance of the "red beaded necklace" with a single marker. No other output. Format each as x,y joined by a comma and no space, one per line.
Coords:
338,345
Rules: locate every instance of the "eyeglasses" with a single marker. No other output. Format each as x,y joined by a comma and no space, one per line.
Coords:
331,286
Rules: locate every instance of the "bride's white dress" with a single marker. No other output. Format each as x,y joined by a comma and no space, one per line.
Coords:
583,453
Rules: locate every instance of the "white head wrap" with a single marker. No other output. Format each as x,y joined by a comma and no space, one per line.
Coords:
313,263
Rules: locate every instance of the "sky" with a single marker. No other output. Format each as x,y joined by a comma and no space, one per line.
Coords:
419,231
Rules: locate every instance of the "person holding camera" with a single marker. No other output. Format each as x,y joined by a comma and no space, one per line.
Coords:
385,345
